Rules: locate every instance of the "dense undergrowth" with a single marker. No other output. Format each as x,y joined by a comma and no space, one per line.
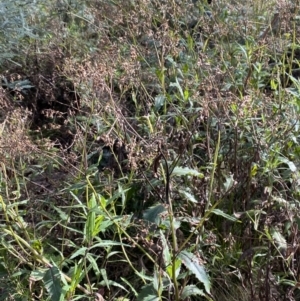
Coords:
149,150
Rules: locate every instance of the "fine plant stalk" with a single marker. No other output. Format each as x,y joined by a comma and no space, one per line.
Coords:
212,177
212,174
128,260
207,210
173,231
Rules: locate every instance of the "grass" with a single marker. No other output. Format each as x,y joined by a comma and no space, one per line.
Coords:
149,151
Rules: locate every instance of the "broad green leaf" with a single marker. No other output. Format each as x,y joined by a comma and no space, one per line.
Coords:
38,274
193,265
148,293
52,283
152,214
191,290
159,101
185,171
167,256
166,224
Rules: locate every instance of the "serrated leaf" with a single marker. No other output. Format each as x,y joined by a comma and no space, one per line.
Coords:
167,256
185,171
191,290
188,196
192,264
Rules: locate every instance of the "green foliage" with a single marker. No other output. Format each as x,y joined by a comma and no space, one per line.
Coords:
190,261
149,150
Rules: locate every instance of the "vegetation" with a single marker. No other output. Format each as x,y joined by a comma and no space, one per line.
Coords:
149,150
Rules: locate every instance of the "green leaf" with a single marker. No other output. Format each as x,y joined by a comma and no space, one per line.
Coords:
130,285
185,171
38,274
193,265
253,171
112,283
152,214
107,243
3,271
191,290
81,251
228,184
77,273
167,256
62,215
159,101
53,284
169,268
177,85
186,94
148,293
188,196
279,240
105,279
227,216
89,229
